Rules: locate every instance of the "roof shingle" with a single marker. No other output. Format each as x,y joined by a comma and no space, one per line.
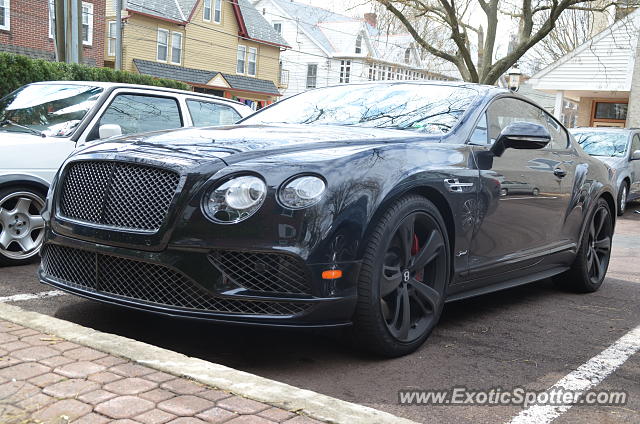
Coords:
180,11
257,26
200,76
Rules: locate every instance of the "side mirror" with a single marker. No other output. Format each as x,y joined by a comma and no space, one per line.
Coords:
635,155
521,135
109,130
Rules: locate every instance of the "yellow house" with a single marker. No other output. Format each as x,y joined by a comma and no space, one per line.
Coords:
221,47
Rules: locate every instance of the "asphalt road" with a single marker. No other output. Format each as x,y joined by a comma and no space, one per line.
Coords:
530,336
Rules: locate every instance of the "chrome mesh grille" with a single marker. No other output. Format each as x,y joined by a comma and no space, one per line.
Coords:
150,283
118,194
263,272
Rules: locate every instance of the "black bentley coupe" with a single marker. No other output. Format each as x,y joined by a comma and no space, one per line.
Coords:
369,205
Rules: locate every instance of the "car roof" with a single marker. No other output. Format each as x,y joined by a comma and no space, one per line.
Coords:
107,85
419,82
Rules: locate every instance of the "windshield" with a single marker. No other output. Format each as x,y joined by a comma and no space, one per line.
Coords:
416,107
55,110
603,143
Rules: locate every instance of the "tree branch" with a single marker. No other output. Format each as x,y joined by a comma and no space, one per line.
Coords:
419,39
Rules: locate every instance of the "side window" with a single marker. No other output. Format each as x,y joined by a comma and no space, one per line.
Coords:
137,113
635,143
559,136
480,134
506,111
207,113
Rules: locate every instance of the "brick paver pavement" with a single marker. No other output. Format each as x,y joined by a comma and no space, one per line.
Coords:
45,379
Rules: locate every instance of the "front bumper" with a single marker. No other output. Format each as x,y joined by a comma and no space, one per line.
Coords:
192,283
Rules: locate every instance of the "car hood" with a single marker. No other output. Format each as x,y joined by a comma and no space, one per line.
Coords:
240,142
10,139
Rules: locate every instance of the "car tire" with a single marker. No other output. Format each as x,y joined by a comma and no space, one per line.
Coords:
535,191
592,260
396,308
21,225
623,194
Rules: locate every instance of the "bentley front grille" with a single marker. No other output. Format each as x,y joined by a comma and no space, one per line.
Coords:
118,194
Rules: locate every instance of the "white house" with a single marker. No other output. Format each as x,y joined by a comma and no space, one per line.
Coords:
601,76
328,48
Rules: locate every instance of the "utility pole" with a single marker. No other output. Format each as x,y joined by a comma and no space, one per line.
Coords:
68,30
118,64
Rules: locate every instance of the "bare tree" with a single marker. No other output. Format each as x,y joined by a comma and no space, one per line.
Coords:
469,29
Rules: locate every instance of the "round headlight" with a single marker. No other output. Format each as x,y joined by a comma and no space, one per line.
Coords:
236,199
302,192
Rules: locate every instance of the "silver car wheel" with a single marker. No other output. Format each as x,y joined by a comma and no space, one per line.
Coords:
623,198
21,225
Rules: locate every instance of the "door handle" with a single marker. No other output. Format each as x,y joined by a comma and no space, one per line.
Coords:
559,172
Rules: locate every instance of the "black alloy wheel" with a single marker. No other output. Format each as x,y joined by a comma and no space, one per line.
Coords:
403,279
599,244
592,260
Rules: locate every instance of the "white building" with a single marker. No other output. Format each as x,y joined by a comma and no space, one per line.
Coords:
601,75
328,48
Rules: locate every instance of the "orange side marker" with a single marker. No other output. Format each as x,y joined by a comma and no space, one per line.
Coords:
331,274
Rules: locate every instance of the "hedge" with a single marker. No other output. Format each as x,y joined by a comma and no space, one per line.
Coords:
17,70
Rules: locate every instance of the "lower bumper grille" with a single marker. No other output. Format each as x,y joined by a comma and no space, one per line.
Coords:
150,283
263,272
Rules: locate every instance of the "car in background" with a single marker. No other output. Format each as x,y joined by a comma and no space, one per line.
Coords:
518,187
42,123
620,149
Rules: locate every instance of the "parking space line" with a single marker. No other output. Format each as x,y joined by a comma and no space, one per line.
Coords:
585,377
31,296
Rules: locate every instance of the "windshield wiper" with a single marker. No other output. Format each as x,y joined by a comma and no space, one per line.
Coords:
15,124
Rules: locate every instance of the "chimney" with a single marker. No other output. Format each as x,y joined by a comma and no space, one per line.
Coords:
371,19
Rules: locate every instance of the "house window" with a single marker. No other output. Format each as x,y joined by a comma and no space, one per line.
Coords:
610,111
87,24
163,45
278,27
176,48
389,73
345,71
52,18
312,75
4,14
370,72
206,10
359,44
241,59
217,11
111,36
407,55
252,57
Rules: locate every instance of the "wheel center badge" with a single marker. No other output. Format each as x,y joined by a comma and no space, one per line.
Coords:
406,275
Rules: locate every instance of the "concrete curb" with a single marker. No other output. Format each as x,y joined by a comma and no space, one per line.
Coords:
306,402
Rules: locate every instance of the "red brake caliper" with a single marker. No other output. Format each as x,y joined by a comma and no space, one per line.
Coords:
415,248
